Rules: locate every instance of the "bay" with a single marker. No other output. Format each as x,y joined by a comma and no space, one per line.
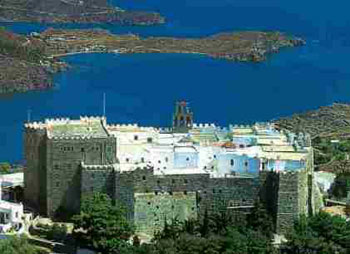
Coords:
142,88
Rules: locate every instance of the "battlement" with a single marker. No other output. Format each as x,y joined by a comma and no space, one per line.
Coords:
123,126
204,125
35,126
99,167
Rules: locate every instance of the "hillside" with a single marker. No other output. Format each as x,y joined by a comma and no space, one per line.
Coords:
23,64
73,11
329,121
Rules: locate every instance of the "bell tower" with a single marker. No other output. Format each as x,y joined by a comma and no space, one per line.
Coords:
183,117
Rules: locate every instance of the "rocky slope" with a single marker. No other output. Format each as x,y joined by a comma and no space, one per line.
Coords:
73,11
329,121
23,64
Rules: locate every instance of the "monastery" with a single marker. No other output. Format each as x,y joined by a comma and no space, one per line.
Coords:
182,171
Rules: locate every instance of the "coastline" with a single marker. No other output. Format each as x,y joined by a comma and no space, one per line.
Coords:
248,46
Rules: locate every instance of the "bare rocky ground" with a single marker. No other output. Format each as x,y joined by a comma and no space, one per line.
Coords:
330,121
74,11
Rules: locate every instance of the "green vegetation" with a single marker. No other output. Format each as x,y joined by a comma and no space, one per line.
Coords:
16,245
7,168
55,232
104,227
102,224
322,233
326,151
15,45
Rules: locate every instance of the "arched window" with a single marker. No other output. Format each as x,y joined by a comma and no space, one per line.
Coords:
232,162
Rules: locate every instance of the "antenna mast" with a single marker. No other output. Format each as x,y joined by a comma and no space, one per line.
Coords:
104,104
28,115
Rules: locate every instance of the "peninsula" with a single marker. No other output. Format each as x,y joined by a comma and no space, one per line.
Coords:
29,61
74,11
252,46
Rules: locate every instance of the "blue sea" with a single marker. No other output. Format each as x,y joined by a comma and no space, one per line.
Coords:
142,88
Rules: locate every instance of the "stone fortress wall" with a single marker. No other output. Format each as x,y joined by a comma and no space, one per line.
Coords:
159,174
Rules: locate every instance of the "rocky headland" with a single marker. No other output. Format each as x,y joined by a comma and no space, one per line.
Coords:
28,62
247,46
24,65
326,122
74,11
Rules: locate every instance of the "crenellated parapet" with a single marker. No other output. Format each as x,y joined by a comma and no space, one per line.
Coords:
123,126
35,126
100,167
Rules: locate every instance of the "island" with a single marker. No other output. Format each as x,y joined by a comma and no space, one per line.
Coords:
248,46
74,11
29,61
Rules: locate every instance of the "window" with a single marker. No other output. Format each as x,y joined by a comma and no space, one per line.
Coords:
127,160
143,160
144,178
159,162
214,156
158,182
92,175
149,140
185,180
166,159
263,165
82,149
213,190
16,214
187,159
185,192
156,192
56,166
173,181
149,203
170,193
246,164
57,184
136,137
232,162
212,167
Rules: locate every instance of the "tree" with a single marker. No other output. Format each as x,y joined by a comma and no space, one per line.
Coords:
19,245
260,219
322,233
102,224
5,167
